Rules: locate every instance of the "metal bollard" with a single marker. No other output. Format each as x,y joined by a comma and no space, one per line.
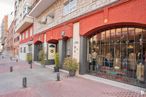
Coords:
11,58
16,60
24,82
58,76
30,65
11,68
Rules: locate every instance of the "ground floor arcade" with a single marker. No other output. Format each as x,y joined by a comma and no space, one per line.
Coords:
108,43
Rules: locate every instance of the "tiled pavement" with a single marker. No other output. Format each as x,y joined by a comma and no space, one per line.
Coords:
42,83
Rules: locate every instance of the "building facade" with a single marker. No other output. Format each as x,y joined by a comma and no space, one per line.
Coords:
107,37
24,27
4,31
16,44
10,39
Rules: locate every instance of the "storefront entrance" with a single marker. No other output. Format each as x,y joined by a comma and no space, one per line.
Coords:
119,54
37,48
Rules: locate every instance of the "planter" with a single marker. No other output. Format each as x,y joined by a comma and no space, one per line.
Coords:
72,73
56,69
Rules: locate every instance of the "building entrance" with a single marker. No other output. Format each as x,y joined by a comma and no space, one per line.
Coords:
37,48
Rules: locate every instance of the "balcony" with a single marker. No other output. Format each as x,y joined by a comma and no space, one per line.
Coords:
39,6
25,23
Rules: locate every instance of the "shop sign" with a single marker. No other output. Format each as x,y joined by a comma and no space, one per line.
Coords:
51,51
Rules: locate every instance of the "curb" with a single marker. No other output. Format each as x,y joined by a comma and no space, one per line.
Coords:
104,81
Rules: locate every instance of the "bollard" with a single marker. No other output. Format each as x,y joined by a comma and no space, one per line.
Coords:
16,60
24,82
30,65
11,58
11,68
58,76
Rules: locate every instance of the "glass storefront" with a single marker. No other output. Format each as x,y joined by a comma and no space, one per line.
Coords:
119,54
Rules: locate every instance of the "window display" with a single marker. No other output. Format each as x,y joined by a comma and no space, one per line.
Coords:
119,54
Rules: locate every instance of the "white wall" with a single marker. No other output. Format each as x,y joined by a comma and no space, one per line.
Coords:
22,54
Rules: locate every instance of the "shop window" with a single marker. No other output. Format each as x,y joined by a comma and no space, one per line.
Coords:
30,48
24,50
119,54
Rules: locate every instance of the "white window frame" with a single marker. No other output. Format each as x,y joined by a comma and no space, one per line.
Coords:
69,6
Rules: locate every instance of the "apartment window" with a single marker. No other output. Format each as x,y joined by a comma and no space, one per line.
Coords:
26,10
69,6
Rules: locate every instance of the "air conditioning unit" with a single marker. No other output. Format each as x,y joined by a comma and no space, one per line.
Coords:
50,17
44,20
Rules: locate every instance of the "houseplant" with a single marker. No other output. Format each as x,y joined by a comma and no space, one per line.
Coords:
29,58
56,67
42,57
71,65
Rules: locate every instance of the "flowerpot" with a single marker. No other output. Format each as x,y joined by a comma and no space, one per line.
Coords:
56,69
72,73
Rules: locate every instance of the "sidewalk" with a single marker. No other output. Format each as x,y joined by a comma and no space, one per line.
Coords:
104,81
73,87
42,83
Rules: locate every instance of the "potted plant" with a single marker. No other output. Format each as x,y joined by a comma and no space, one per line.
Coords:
29,58
71,65
56,67
42,57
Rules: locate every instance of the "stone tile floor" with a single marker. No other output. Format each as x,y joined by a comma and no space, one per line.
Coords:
42,83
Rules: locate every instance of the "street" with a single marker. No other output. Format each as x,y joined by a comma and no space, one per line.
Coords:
41,82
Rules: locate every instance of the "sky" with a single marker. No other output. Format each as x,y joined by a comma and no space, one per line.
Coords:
6,7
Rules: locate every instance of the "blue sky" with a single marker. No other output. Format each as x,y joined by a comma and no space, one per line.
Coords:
6,7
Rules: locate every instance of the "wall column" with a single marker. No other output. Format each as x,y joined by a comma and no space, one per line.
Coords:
61,51
83,55
35,53
45,46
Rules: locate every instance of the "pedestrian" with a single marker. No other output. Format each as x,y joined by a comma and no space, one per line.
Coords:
90,61
94,56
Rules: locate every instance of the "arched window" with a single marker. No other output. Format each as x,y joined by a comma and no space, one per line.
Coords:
120,54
